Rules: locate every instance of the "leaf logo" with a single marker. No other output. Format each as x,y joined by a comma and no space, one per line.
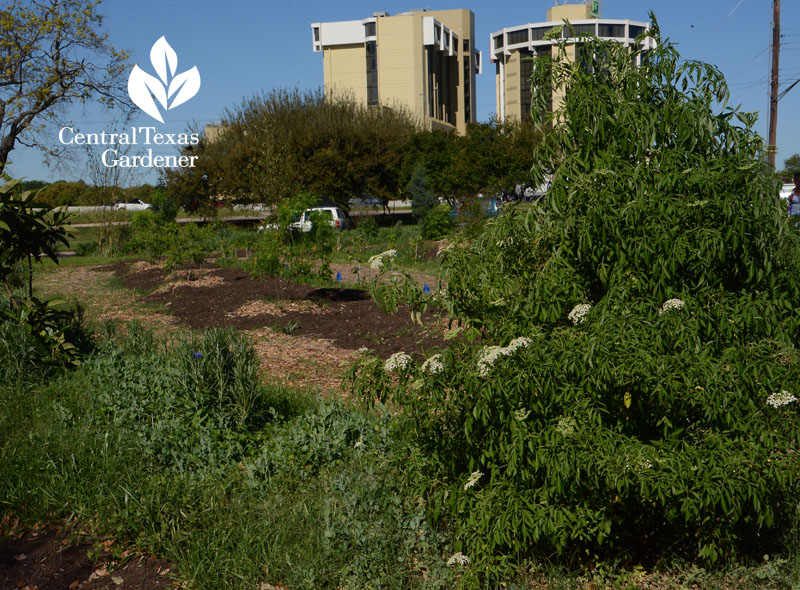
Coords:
170,90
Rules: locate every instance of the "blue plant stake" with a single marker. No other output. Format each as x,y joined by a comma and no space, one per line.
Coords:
198,355
426,289
338,276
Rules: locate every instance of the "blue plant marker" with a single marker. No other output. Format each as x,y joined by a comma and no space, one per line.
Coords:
338,276
426,288
198,355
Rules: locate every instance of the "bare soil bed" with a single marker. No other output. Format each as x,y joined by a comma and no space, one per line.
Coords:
215,296
49,559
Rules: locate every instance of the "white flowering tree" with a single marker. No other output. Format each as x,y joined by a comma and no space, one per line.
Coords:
634,389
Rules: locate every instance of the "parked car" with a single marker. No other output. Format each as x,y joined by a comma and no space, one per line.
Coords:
338,218
133,205
366,201
786,190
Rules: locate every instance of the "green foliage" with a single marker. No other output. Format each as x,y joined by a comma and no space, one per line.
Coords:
490,158
422,199
54,54
27,231
316,497
635,388
792,163
275,145
437,223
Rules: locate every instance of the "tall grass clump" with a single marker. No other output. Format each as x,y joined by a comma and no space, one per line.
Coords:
635,391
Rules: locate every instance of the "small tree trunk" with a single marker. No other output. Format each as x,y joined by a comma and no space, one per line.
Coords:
30,278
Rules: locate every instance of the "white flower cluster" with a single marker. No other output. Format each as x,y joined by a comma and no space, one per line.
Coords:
363,350
399,361
445,247
433,365
376,262
781,398
578,313
458,559
566,425
490,354
639,464
671,304
473,479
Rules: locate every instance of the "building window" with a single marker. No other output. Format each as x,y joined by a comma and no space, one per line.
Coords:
369,29
466,45
525,70
634,31
615,31
467,85
372,72
538,33
498,41
316,34
579,31
515,37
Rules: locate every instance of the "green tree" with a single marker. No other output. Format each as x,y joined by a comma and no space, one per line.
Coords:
792,163
52,53
275,145
422,198
636,387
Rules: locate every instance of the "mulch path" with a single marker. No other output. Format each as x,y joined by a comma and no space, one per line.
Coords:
51,560
344,316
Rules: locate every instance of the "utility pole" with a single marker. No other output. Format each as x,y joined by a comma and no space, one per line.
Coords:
773,93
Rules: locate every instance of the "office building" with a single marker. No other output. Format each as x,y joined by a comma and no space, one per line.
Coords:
424,61
514,48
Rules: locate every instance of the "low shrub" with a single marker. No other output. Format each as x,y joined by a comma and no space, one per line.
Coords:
437,223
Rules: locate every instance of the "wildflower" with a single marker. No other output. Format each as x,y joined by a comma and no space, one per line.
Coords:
458,559
197,355
473,479
578,313
359,442
377,262
363,350
776,400
490,354
399,361
433,365
444,247
566,425
516,343
671,304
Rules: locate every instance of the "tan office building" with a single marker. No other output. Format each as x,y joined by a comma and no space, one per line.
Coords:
514,49
424,61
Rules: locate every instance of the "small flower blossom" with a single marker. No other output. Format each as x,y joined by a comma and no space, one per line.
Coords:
776,400
490,354
399,361
473,479
578,313
458,559
363,350
566,425
433,365
377,262
359,443
197,355
671,304
445,247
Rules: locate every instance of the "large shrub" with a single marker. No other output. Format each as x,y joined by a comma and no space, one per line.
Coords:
635,388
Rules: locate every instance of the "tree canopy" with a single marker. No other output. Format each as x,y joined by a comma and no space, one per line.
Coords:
52,53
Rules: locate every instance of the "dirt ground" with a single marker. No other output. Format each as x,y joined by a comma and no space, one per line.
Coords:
51,559
345,317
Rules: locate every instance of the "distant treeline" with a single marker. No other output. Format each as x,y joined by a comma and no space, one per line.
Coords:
62,192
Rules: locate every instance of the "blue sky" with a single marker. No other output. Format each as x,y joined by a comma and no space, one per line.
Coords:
242,48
